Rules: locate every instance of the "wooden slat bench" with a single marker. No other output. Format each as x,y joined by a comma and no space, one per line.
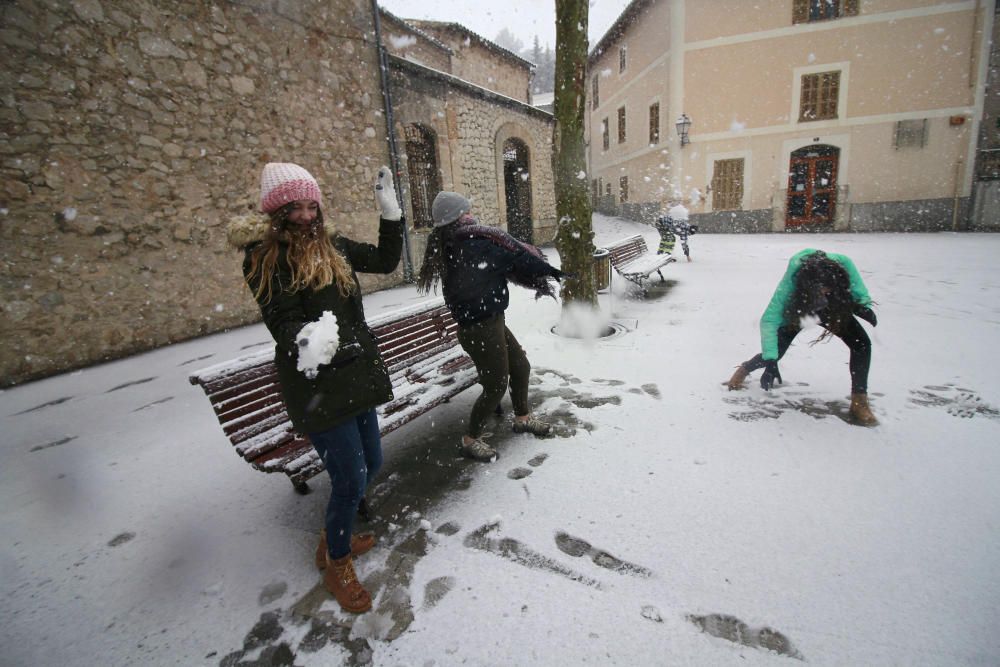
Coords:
420,348
633,261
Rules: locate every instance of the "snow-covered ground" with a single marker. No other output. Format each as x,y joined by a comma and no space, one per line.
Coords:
669,522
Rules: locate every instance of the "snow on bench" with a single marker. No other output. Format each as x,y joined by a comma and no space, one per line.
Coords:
419,345
632,260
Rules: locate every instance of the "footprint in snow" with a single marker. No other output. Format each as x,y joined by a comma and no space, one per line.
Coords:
577,548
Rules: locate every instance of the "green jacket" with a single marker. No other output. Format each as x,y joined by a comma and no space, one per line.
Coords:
356,380
774,315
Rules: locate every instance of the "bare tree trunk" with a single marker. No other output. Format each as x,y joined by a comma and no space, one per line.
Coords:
575,235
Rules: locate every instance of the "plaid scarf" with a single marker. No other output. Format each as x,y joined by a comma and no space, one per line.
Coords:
468,227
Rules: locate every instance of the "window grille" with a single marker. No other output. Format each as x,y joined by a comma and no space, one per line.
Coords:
910,134
606,132
422,168
807,11
621,125
595,92
622,59
623,189
818,100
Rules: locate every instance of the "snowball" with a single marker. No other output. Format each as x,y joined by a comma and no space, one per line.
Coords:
402,41
678,212
69,214
321,339
581,321
582,175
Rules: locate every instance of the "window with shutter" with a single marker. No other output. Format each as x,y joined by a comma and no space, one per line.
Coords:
727,185
595,92
807,11
622,58
621,125
654,123
606,134
819,95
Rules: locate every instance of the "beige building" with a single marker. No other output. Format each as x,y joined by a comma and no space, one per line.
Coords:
804,114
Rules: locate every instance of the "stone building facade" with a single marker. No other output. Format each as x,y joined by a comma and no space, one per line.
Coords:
481,62
131,130
473,132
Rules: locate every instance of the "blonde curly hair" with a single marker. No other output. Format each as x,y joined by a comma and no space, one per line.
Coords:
314,261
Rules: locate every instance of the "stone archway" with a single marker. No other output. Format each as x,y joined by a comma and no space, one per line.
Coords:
512,135
517,189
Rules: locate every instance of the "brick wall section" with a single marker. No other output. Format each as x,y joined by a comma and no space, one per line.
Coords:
131,130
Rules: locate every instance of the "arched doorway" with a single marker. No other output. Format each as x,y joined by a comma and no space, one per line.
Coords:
422,168
812,186
517,189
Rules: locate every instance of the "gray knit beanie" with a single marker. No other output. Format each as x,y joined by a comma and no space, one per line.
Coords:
448,207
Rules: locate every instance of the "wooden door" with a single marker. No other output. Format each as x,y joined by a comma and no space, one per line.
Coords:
812,186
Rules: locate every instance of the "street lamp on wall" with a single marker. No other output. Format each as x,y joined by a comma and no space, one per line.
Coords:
683,123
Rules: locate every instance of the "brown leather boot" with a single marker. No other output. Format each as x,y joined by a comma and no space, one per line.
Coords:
861,412
340,579
739,375
360,543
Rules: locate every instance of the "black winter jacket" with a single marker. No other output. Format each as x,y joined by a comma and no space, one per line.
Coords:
475,276
356,380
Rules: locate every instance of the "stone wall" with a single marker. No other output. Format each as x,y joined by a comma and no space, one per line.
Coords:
131,130
477,63
400,39
471,125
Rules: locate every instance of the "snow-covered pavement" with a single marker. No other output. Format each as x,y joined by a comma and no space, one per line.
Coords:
669,522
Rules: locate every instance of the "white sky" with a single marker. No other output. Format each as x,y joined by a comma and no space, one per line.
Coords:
524,18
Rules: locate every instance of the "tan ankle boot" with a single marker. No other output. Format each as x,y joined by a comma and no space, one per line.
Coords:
340,579
739,375
360,543
861,412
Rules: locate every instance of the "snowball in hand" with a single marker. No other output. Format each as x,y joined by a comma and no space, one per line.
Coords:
317,344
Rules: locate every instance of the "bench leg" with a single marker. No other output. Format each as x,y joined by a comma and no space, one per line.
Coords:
301,486
660,273
364,512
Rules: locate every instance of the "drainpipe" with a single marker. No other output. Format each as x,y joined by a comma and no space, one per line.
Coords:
390,127
958,191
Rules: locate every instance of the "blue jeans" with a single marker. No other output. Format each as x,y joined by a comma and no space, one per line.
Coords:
352,454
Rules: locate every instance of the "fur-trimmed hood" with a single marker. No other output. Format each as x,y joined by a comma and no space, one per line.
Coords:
249,228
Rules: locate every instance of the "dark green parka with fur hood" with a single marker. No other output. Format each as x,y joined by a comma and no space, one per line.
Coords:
356,380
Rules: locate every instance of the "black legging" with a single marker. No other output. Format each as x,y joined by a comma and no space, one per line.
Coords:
500,361
853,335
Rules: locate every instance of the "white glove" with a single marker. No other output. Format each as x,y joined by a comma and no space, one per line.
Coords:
385,195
